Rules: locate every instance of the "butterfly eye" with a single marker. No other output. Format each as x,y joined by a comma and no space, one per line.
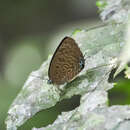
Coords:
81,64
49,81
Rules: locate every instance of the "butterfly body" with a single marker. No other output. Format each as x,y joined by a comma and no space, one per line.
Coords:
66,62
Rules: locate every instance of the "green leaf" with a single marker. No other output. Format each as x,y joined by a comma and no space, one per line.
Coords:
102,47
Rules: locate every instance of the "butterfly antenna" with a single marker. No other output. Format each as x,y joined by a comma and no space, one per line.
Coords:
85,56
97,26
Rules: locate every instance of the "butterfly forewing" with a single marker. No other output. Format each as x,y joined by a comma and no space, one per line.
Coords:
65,63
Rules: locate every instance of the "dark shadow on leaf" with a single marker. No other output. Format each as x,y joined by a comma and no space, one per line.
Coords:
48,116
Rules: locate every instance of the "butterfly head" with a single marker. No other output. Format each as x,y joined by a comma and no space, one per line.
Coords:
82,63
49,81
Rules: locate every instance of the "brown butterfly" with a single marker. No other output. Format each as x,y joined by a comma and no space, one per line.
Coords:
66,62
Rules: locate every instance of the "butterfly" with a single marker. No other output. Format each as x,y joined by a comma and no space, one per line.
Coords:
67,61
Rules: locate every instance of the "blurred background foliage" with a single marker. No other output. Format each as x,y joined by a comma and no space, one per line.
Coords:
31,30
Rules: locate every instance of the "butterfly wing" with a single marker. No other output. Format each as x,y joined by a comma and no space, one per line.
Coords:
65,63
